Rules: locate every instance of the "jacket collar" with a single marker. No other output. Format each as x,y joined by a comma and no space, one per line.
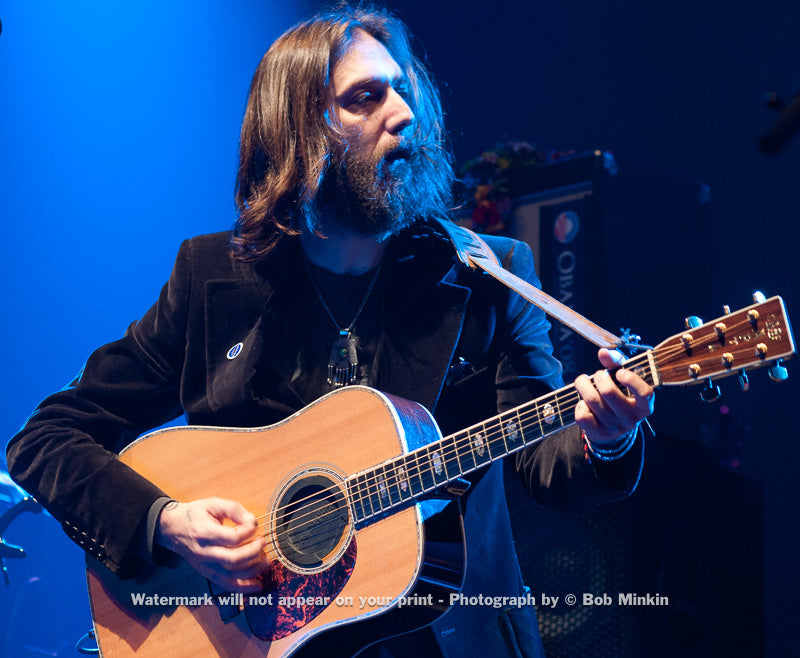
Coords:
425,313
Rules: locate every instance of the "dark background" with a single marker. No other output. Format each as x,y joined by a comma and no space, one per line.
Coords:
118,136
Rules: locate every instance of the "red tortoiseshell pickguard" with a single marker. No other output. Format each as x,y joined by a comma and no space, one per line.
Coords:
272,622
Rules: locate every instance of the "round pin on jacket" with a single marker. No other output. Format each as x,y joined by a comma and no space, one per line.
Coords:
234,351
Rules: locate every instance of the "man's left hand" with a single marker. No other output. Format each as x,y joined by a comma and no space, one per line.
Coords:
606,413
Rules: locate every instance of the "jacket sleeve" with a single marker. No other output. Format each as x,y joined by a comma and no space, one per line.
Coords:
559,470
65,455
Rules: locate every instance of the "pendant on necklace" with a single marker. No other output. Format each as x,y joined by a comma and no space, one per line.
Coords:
343,360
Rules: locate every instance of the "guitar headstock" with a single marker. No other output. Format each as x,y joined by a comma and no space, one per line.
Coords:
755,336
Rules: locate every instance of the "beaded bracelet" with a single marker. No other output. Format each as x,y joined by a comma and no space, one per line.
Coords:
617,449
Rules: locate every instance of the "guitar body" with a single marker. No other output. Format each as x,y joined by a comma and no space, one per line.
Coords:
335,488
347,574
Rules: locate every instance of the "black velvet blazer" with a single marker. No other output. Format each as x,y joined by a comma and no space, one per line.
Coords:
174,360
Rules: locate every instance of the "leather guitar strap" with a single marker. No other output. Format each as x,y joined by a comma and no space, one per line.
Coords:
474,252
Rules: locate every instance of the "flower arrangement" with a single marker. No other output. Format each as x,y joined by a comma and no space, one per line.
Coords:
492,180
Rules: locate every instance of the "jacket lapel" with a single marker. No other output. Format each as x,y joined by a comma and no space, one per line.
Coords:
424,319
244,331
425,311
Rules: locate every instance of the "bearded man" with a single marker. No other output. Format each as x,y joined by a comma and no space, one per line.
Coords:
338,273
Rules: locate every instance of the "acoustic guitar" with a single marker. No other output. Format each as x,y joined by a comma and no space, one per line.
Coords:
337,490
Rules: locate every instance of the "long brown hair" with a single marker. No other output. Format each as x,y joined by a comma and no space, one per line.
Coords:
290,127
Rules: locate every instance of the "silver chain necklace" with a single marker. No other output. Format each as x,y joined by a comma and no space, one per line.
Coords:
343,359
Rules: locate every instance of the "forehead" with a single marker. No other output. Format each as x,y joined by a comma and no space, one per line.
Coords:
366,59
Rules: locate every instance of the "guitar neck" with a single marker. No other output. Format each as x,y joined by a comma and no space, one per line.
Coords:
752,337
395,484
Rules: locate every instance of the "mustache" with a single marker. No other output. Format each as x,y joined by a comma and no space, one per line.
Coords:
402,149
400,153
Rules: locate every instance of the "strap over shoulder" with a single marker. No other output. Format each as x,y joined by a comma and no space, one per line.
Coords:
468,244
475,253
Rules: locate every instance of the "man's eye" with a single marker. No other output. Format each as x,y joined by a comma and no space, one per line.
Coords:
364,98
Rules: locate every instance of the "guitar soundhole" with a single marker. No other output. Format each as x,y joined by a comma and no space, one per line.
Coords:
311,523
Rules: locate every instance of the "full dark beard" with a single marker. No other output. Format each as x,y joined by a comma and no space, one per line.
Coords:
372,198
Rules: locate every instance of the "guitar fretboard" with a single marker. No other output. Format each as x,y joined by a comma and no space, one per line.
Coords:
402,481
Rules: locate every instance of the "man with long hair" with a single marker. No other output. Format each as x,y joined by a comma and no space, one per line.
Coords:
337,273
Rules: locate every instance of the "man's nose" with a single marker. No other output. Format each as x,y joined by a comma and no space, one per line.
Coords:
399,114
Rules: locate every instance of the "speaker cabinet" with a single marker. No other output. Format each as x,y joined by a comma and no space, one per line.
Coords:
673,571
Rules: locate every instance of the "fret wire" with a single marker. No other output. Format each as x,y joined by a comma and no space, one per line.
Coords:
450,455
412,469
466,454
384,494
371,486
429,466
517,429
392,482
529,428
355,502
448,449
558,411
522,429
471,442
368,478
460,440
568,413
544,414
414,472
368,494
502,424
417,470
481,438
428,482
384,483
428,478
359,496
491,438
366,504
445,443
403,484
438,463
537,410
479,447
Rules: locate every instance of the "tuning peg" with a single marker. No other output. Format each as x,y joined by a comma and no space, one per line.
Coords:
758,297
778,373
744,381
710,393
692,322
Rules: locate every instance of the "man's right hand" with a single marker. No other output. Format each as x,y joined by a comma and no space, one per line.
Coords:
219,539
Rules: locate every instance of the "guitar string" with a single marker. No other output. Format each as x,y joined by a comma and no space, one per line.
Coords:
362,489
396,475
675,349
372,486
491,437
459,441
523,415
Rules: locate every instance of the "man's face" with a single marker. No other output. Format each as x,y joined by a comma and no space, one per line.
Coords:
372,178
368,90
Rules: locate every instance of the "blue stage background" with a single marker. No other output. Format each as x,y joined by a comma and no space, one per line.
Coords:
118,137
